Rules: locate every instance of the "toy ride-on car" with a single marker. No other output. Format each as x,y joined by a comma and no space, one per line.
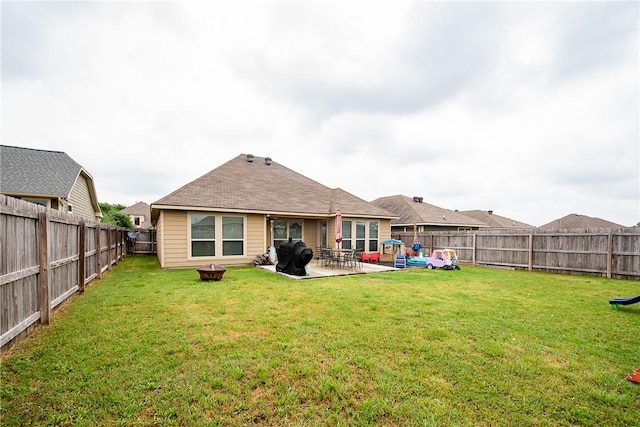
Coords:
438,259
453,257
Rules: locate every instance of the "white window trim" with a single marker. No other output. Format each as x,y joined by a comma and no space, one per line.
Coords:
218,237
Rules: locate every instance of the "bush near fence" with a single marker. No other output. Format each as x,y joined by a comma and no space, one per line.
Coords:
46,256
607,253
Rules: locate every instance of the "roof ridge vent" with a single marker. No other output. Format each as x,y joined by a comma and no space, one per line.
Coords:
417,199
250,158
267,161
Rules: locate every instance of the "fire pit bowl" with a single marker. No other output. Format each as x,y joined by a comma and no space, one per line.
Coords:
211,272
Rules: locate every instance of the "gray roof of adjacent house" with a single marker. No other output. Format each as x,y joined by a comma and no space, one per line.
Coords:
496,221
139,209
412,211
27,171
249,183
575,221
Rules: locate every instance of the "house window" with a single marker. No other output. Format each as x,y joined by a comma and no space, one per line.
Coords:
360,235
203,235
346,234
283,230
69,207
373,236
136,221
232,235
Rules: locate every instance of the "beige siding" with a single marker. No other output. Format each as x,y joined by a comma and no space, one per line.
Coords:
173,241
80,199
160,238
256,236
385,229
311,234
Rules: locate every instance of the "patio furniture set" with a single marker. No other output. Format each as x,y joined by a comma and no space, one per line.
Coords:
344,258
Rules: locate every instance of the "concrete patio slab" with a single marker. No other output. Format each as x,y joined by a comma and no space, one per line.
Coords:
316,271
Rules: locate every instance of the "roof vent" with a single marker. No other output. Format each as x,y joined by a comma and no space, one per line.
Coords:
250,158
267,161
490,212
417,199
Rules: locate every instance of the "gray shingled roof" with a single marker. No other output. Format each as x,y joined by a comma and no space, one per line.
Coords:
411,212
256,186
139,209
36,172
496,221
575,221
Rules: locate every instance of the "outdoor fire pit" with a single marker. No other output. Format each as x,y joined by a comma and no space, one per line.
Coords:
211,272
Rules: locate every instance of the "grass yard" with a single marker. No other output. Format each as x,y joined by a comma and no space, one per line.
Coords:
477,346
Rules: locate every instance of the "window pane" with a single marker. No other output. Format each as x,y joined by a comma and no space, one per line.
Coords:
232,227
346,244
295,230
346,229
203,227
360,229
360,245
232,248
373,245
203,248
279,230
373,230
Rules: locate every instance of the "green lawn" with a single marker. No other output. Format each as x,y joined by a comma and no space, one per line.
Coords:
477,346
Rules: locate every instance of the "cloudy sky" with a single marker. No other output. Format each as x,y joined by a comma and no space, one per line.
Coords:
530,109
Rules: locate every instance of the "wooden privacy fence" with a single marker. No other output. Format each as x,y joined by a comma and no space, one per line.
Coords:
608,253
142,241
46,256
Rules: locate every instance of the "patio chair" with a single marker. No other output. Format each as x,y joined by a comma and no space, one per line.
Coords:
364,257
374,257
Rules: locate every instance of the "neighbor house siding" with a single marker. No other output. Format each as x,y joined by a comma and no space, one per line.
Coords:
80,199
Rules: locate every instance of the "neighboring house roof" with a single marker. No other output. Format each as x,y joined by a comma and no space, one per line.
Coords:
255,184
37,172
414,211
40,173
140,209
495,221
575,221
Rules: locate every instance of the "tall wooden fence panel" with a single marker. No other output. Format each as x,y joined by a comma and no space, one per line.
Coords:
142,241
607,253
47,256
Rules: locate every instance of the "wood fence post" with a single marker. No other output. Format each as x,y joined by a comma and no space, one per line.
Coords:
81,255
109,248
473,252
98,252
43,260
609,254
118,247
530,251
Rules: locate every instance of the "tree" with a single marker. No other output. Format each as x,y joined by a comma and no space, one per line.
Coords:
111,215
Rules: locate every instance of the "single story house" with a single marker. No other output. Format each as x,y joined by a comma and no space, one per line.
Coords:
49,178
249,204
415,213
